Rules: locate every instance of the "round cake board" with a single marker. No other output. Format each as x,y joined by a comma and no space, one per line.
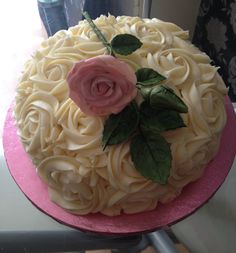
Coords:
193,196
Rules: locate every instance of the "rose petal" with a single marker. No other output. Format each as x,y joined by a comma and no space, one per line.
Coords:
102,87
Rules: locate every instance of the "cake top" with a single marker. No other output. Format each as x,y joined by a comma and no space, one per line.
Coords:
165,87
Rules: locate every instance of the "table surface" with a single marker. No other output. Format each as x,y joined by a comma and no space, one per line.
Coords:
211,229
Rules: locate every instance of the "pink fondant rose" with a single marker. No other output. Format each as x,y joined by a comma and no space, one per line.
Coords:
102,85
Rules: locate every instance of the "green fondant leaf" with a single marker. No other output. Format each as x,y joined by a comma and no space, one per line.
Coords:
159,120
148,77
119,127
162,97
151,156
125,44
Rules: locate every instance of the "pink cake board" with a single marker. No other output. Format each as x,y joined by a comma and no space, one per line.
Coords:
193,196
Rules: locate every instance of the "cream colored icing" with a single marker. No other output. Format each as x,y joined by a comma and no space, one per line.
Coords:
65,144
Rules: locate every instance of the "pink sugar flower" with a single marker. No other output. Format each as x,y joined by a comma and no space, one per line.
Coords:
102,85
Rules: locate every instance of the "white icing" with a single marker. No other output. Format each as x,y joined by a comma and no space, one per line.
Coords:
80,133
65,144
71,187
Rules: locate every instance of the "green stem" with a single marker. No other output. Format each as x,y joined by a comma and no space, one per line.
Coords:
98,33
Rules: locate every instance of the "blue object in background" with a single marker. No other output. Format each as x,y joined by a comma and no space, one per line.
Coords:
52,15
96,8
61,14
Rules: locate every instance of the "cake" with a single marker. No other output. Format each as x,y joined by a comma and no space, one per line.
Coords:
64,142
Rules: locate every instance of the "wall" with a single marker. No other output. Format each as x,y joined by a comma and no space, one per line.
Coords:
180,12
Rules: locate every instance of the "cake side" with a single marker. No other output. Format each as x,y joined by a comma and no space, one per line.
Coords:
65,144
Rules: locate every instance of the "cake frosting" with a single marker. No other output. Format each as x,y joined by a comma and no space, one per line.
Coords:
65,144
